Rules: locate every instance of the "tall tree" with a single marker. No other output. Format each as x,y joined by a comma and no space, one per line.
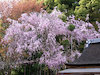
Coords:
91,7
61,4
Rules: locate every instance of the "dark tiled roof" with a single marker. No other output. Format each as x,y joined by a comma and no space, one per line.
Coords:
89,57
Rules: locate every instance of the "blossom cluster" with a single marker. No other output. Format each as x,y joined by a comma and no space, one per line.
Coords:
83,30
36,32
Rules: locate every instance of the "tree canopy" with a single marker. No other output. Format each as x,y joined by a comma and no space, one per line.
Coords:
91,7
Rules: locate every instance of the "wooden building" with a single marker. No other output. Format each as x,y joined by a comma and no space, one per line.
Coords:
88,63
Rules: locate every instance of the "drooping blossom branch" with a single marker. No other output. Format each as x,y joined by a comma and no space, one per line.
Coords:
36,33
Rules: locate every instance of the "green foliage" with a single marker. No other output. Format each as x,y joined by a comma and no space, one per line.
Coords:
34,56
81,12
65,43
95,26
49,5
81,46
62,7
63,17
61,4
71,27
68,3
37,55
30,69
91,7
59,38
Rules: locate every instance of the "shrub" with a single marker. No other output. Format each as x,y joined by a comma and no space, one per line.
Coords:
71,27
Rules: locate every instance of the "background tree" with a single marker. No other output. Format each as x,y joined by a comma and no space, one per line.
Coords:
63,5
91,7
14,9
